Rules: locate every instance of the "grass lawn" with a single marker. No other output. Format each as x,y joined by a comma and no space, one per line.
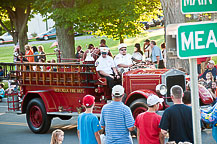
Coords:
6,53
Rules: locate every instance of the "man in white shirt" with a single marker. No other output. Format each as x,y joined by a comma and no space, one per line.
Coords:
123,60
106,67
147,49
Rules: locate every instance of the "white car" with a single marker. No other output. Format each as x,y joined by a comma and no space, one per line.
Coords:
6,37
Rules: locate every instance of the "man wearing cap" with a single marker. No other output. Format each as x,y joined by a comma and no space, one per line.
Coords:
156,55
123,60
177,119
106,67
147,123
211,68
116,119
88,124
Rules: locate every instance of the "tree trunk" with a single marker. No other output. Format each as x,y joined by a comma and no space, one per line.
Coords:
20,24
66,42
173,15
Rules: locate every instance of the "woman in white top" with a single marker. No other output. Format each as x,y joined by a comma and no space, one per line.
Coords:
88,56
138,54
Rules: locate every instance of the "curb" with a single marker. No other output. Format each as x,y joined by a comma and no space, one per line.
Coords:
4,100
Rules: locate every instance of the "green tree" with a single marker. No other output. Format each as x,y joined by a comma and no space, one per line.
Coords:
114,18
18,12
120,19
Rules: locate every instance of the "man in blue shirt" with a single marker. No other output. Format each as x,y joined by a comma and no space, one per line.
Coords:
156,55
117,119
88,124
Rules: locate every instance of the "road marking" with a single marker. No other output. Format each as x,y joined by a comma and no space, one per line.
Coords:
64,126
4,106
13,123
2,113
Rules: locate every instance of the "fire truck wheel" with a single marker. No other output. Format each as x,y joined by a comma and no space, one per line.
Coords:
37,119
65,117
138,106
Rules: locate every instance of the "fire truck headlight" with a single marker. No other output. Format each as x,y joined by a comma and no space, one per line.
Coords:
162,89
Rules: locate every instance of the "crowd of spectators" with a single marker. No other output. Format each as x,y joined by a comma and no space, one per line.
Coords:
116,121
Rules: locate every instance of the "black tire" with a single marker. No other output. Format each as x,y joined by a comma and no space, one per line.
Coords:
46,38
124,98
65,117
36,116
139,103
1,41
135,105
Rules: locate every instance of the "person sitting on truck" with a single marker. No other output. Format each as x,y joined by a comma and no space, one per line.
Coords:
123,61
103,44
88,54
105,66
41,52
35,52
29,53
138,54
79,53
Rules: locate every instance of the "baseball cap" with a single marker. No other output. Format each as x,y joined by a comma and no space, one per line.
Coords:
117,91
122,45
153,99
88,100
211,61
104,50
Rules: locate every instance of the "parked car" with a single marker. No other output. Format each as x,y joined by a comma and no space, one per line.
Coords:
51,34
148,24
6,37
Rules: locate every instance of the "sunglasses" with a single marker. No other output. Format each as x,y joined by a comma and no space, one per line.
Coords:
123,50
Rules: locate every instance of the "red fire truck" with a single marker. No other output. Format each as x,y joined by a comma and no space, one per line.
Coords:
56,90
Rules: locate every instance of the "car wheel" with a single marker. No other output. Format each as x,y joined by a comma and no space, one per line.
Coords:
37,118
46,38
1,41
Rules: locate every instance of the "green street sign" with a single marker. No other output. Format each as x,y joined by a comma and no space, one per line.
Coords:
198,6
197,40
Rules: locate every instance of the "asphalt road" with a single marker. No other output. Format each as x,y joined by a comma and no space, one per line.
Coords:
48,41
53,40
14,130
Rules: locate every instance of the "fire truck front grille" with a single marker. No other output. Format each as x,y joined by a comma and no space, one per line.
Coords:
174,80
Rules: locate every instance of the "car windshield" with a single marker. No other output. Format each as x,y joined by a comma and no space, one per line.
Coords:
6,34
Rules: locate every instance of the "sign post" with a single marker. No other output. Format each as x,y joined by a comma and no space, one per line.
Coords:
196,40
195,101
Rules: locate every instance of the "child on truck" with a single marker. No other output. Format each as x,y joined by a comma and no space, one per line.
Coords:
88,124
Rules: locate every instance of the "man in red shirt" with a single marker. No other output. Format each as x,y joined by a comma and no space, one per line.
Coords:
147,123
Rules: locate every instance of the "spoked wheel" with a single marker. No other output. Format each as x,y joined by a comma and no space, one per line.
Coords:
138,106
37,119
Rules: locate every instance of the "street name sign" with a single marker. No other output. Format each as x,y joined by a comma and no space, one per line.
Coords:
198,6
197,40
